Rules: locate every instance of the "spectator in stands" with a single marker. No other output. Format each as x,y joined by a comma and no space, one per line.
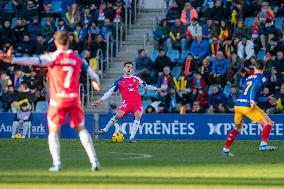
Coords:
24,92
165,80
228,48
273,46
267,32
60,24
215,47
255,30
188,13
22,119
20,29
161,108
222,108
18,78
279,63
18,7
7,98
73,44
274,80
34,28
245,49
72,16
150,110
177,36
106,28
219,68
209,29
218,12
5,81
109,11
79,35
48,29
162,61
205,70
234,67
7,34
241,30
97,44
233,96
171,100
279,108
173,13
265,105
196,108
199,49
31,10
193,30
268,63
87,16
40,45
161,34
198,83
266,12
189,66
202,98
224,31
143,67
25,47
217,97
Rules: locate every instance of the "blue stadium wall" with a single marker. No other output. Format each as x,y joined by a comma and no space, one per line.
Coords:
157,126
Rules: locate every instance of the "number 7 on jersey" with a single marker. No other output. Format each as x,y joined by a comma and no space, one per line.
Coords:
67,80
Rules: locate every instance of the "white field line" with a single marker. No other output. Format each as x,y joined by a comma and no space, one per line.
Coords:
134,156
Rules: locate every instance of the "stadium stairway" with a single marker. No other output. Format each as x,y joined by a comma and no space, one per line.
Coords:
129,51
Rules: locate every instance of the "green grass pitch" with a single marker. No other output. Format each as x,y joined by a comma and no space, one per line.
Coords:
147,164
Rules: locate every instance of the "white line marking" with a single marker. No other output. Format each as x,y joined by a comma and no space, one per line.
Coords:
135,156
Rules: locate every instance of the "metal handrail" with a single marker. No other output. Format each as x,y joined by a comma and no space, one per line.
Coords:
146,42
81,86
109,41
116,38
126,19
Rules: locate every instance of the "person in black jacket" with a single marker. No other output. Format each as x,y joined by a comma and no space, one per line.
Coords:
162,61
25,47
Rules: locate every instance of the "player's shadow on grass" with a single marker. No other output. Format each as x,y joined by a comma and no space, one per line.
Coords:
92,179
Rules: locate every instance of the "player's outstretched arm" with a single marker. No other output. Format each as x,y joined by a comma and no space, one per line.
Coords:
150,87
43,60
106,96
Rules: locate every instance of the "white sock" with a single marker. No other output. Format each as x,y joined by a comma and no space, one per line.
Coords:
25,129
262,143
226,149
88,145
111,122
134,129
54,148
14,129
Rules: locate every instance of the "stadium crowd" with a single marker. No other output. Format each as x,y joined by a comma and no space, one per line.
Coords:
28,28
205,49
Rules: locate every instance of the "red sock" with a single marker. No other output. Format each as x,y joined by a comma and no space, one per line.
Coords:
231,138
266,132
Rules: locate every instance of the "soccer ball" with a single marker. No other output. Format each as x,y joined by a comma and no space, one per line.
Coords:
18,136
117,137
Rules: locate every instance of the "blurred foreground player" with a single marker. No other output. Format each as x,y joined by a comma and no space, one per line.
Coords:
128,87
246,107
63,74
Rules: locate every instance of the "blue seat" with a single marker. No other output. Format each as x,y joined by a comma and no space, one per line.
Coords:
41,106
176,71
43,21
14,21
56,7
173,55
261,54
249,21
9,7
154,54
278,22
151,94
145,105
184,54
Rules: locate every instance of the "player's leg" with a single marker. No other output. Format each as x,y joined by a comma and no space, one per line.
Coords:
87,143
138,112
55,117
15,126
77,121
26,125
267,127
119,115
239,120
